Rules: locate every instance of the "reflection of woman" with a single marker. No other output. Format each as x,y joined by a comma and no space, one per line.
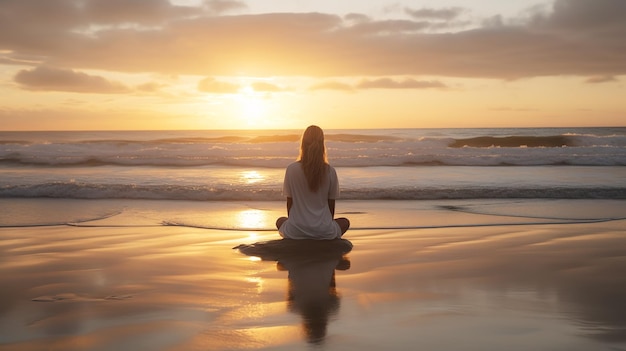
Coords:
311,187
312,292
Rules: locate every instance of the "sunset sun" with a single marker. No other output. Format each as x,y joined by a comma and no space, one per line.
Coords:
283,65
252,107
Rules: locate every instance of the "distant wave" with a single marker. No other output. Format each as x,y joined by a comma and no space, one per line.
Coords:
78,190
225,139
281,162
552,141
228,139
16,142
516,141
192,161
358,138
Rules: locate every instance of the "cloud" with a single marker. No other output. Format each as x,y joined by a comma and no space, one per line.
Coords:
222,6
55,79
380,83
214,86
575,37
149,12
357,17
388,83
601,79
332,85
60,15
581,15
441,14
5,60
150,87
266,87
387,27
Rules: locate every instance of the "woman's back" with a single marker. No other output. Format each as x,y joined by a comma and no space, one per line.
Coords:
310,216
311,187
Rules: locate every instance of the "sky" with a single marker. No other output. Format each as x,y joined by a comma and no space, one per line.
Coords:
248,64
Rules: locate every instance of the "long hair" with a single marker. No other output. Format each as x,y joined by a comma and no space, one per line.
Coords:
313,157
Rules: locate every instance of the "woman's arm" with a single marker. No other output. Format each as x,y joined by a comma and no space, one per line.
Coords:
331,207
289,203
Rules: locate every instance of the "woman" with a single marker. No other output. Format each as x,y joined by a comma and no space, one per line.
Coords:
311,187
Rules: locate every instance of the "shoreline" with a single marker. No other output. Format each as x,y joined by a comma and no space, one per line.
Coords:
261,215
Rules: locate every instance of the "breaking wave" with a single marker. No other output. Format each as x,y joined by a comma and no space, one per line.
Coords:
252,193
345,150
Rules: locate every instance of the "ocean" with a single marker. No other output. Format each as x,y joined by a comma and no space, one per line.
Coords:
391,164
200,178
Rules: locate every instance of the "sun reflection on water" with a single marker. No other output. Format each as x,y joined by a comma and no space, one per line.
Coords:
251,219
254,258
258,281
251,177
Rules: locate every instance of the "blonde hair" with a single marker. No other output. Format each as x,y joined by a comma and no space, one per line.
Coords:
313,157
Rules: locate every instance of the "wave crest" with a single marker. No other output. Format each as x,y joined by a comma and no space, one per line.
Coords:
515,141
76,190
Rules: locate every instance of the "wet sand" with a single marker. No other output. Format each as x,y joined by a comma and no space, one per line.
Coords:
441,275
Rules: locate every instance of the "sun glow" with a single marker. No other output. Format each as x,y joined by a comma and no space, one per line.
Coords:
253,107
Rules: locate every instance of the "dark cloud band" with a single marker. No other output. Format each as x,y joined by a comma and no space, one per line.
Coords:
578,37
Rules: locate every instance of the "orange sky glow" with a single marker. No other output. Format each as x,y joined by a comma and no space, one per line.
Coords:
230,64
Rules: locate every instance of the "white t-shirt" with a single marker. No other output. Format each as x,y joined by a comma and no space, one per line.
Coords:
309,217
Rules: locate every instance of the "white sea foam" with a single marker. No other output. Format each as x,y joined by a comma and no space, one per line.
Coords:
358,183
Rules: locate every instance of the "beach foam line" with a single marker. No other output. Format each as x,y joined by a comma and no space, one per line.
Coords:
57,224
562,222
461,209
33,225
81,225
557,221
72,297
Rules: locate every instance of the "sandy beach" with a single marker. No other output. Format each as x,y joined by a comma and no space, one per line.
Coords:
432,275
